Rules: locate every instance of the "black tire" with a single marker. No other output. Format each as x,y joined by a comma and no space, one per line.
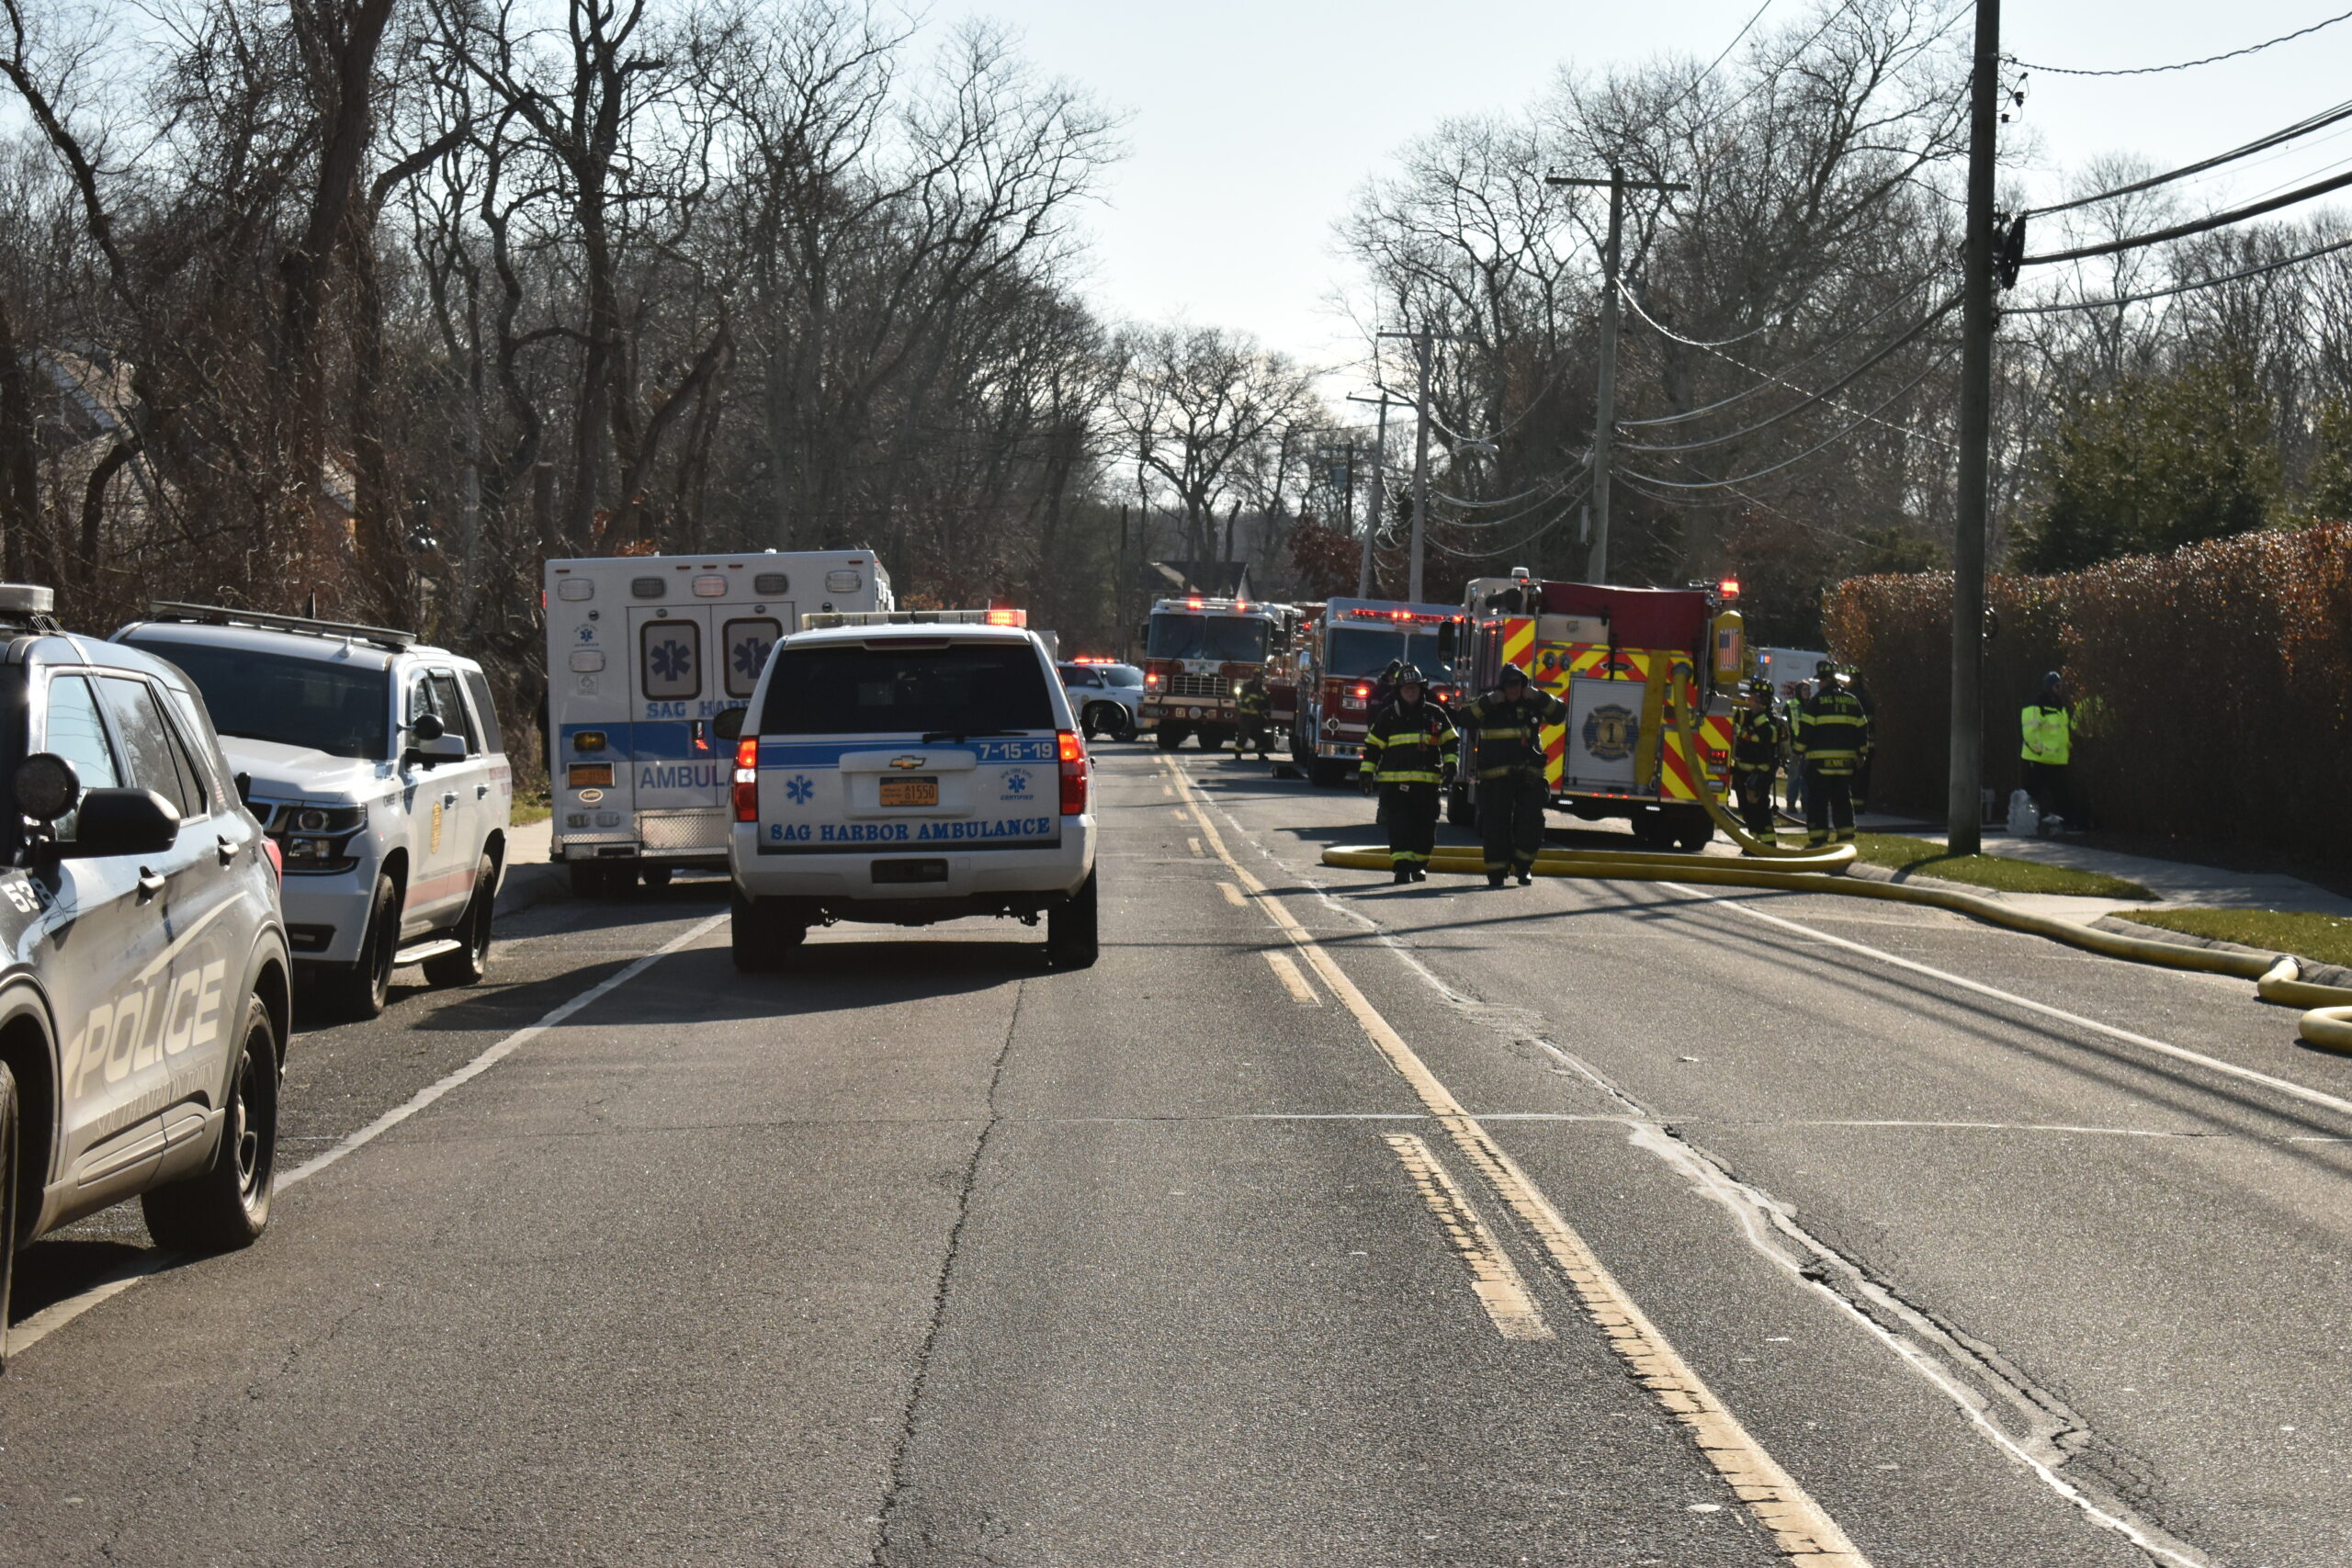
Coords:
1100,719
1695,831
1215,737
471,960
759,936
1458,807
1073,939
591,879
1124,727
226,1206
655,876
11,1197
1171,736
1652,831
354,993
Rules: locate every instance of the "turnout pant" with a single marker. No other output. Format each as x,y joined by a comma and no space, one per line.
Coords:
1754,788
1511,820
1828,806
1409,813
1252,738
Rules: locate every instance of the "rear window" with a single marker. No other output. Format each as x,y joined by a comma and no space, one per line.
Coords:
962,688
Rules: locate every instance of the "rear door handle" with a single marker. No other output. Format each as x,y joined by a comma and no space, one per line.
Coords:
450,798
150,884
227,848
480,790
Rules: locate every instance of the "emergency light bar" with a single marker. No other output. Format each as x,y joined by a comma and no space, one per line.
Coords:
1093,658
824,620
1417,617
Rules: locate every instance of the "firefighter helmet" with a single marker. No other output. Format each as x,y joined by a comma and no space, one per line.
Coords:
1407,674
1513,672
1759,687
1824,669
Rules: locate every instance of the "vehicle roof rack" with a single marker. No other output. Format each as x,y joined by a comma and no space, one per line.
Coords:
221,615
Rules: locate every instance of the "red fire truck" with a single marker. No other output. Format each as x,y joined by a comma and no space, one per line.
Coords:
1343,658
1198,654
1627,661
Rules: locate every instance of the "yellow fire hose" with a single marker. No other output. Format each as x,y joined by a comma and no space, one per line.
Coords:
2327,1024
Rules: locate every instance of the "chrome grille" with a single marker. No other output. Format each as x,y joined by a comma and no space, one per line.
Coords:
1196,685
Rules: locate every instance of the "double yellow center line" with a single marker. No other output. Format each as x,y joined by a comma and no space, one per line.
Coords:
1799,1527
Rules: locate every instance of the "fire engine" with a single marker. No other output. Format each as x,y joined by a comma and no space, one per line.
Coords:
1345,655
1627,662
1198,654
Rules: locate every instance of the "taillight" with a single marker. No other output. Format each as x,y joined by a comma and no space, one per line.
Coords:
747,779
276,857
1073,758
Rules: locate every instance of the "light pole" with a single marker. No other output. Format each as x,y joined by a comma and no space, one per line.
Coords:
1379,493
1963,804
1604,403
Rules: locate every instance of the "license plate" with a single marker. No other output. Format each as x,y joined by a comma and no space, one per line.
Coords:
910,791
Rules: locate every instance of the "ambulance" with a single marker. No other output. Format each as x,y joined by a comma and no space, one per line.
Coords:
1629,663
643,653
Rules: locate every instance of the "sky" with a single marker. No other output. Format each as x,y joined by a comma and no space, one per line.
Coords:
1251,126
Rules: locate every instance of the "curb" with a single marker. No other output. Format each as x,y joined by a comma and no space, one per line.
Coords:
2307,969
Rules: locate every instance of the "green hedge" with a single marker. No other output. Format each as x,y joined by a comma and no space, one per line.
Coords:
2212,686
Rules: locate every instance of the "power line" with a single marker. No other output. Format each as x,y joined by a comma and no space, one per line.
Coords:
2186,64
2183,230
1519,544
1679,98
1771,379
1825,395
2319,122
1760,473
2179,289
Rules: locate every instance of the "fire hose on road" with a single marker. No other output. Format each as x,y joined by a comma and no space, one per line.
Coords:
2326,1024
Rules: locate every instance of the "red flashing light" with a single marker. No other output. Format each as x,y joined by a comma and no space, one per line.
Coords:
1151,678
1363,689
1729,588
1008,617
747,779
1192,603
1073,763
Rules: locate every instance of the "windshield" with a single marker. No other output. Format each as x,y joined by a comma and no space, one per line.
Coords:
1364,651
1237,638
965,689
343,710
1120,675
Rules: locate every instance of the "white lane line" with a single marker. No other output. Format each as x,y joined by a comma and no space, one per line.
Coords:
1292,981
2178,1052
56,1315
1494,1278
1801,1529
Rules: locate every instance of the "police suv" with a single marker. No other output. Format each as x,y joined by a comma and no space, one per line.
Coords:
908,767
379,767
143,966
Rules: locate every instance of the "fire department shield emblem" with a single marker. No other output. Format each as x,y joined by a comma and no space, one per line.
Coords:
1610,732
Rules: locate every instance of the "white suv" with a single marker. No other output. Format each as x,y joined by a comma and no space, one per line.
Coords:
379,767
909,767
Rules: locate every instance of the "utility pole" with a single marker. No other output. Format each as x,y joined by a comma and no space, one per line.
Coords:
1964,804
1379,494
1421,341
1604,403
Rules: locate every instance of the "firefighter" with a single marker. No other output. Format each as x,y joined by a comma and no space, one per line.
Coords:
1257,714
2048,731
1384,690
1508,724
1405,759
1832,736
1757,738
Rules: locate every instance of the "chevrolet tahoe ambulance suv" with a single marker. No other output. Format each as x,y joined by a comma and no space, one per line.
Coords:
377,765
143,967
907,767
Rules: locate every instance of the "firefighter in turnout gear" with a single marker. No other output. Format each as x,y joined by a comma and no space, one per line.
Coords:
1757,738
1507,726
1832,736
1404,758
1257,714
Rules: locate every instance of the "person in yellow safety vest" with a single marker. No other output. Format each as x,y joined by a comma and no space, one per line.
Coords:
1404,757
2049,745
1756,741
1508,724
1832,736
1257,713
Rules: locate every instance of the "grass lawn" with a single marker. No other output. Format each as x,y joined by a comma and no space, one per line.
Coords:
2326,938
1924,857
531,805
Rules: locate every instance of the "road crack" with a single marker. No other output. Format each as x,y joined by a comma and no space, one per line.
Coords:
901,1502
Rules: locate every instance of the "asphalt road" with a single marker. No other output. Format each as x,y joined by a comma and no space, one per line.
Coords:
1321,1223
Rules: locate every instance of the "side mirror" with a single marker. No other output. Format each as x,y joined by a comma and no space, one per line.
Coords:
428,727
437,748
47,786
122,822
728,725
